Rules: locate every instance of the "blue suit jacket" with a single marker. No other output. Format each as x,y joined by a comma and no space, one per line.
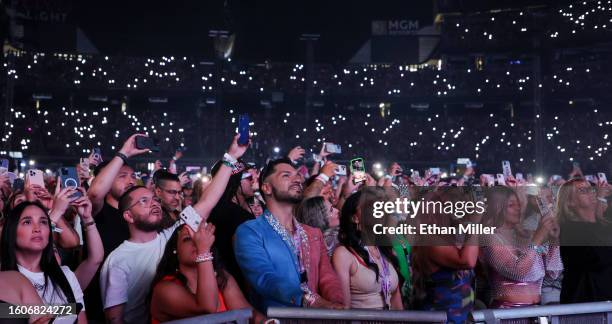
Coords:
268,264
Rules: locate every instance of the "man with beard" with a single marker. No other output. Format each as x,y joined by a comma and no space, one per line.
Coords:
112,180
127,273
285,262
170,193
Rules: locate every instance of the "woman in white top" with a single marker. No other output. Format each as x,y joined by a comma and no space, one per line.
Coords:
27,246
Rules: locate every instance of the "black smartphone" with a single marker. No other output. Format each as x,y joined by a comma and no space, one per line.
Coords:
69,179
144,142
18,184
243,129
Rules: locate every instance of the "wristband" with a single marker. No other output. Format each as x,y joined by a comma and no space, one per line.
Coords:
86,225
204,257
56,229
229,158
122,157
323,178
603,200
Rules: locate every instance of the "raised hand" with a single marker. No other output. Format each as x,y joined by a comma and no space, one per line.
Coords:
83,205
62,200
236,150
296,153
395,169
204,237
329,169
129,147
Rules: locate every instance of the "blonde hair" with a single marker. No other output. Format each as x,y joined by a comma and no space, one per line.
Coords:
497,202
567,193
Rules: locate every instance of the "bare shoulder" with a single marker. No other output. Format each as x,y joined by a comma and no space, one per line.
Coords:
13,279
341,253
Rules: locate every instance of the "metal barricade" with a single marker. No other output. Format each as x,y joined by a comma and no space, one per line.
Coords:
582,313
239,316
311,315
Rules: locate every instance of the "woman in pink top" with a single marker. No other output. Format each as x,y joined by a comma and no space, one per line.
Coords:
518,260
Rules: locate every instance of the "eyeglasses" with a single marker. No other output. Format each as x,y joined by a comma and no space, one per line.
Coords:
145,202
587,190
173,192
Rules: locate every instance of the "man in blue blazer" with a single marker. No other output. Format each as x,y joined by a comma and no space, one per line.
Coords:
285,262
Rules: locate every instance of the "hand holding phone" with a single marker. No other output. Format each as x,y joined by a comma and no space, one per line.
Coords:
96,156
243,129
357,167
507,171
145,142
501,181
204,237
341,170
332,148
84,163
70,179
396,170
602,177
35,177
489,180
190,217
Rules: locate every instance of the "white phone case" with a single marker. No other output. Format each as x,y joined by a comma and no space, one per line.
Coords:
500,179
506,169
190,217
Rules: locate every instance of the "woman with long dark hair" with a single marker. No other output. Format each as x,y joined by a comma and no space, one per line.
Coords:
185,286
320,213
367,273
27,247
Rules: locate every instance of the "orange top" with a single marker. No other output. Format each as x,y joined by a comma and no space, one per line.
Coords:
172,278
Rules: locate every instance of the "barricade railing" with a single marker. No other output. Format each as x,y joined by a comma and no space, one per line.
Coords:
580,313
238,316
313,315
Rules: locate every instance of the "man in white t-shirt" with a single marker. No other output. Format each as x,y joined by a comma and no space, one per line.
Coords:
127,273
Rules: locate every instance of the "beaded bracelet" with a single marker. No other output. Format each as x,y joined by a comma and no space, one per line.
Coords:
204,257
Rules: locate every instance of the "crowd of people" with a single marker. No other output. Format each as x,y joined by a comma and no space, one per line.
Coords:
414,139
291,234
198,227
564,24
